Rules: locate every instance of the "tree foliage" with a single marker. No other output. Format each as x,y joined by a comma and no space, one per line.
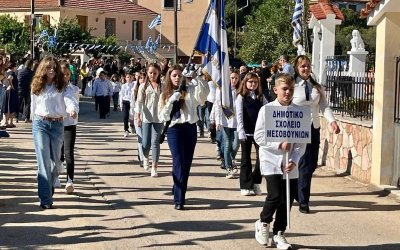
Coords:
268,32
14,36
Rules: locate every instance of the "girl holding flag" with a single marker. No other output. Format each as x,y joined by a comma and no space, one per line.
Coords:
183,107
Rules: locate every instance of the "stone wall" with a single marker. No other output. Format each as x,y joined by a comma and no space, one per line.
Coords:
349,152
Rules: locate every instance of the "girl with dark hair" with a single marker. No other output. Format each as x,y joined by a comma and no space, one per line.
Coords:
147,116
181,134
307,92
51,102
249,101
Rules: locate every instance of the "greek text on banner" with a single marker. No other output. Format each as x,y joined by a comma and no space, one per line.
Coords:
287,124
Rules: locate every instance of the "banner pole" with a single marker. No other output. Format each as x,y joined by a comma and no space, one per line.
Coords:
287,193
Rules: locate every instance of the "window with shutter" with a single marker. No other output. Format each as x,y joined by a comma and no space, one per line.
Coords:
83,22
110,27
137,27
46,20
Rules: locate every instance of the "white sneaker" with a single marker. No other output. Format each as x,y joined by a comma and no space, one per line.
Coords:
69,187
146,164
280,241
57,183
257,189
229,174
126,134
245,192
154,172
261,232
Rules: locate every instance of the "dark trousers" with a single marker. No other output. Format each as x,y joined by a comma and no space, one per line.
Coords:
213,131
126,106
307,165
276,201
182,140
67,151
25,104
103,102
115,100
248,176
85,80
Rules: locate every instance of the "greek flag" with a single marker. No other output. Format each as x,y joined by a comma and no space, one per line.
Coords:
43,34
149,43
212,43
156,21
296,22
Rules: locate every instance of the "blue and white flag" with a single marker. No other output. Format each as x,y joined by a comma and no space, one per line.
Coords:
296,22
156,21
43,34
213,44
149,43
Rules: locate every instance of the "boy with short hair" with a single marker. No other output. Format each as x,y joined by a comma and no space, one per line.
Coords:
273,167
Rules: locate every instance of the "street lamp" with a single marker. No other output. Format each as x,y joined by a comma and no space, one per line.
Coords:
236,11
320,34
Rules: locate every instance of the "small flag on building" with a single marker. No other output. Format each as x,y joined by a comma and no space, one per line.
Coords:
296,22
156,21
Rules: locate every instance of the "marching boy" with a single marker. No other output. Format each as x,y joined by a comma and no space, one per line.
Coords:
274,167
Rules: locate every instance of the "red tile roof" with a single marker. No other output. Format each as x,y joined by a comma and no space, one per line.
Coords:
118,6
24,4
321,9
369,7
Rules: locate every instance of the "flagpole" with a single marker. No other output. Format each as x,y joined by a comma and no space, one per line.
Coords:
176,31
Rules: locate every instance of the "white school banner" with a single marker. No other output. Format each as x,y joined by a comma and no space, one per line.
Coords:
287,124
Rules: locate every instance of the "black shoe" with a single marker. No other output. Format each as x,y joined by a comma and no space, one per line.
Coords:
179,207
304,208
47,206
222,166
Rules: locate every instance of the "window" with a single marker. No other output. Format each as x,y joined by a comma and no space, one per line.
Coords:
110,27
83,22
40,20
352,7
137,30
169,4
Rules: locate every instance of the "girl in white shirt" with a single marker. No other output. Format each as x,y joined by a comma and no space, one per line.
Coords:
147,116
51,102
228,127
249,101
125,100
67,152
181,134
307,92
116,88
141,77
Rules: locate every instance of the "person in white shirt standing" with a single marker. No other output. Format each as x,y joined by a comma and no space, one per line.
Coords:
116,88
181,134
102,91
51,100
307,92
147,116
125,100
67,151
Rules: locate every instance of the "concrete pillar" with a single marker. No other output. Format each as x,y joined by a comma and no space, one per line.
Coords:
357,61
327,47
315,52
387,46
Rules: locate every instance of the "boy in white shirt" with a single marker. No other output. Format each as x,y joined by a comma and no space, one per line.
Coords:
273,165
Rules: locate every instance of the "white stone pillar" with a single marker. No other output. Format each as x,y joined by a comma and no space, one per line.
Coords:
315,52
357,61
327,47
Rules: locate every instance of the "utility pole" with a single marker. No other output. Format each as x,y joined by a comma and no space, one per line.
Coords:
176,30
236,11
33,25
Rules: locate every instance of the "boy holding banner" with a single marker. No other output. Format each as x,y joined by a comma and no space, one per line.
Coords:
282,131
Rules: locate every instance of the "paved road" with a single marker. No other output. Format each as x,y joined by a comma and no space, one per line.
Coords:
119,206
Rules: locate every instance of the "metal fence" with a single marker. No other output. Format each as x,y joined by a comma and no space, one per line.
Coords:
351,93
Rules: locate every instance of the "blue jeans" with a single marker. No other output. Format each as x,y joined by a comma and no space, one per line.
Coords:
231,145
182,140
220,143
201,113
48,139
151,137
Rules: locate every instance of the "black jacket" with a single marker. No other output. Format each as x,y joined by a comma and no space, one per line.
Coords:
24,80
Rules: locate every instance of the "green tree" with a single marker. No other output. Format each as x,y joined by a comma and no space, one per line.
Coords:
268,32
14,36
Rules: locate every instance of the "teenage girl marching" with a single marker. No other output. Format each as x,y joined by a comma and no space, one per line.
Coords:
249,101
181,134
147,116
50,101
228,127
134,109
